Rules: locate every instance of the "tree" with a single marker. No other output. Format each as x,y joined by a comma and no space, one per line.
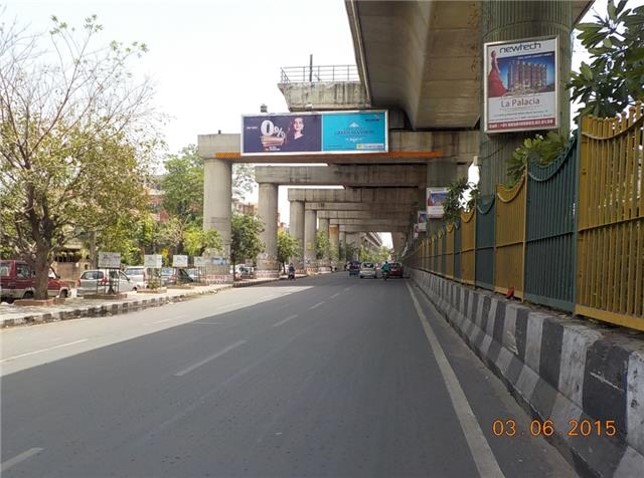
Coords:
460,195
322,246
615,77
538,150
77,134
245,242
182,185
243,180
287,247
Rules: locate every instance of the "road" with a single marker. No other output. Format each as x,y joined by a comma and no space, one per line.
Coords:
322,377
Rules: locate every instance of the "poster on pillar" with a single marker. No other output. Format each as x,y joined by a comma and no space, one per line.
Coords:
435,199
521,85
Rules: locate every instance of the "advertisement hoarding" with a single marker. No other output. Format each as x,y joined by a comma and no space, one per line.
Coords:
521,85
315,133
435,199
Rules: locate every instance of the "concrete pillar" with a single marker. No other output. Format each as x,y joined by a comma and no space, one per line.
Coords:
440,174
310,230
514,20
267,265
217,204
342,243
296,229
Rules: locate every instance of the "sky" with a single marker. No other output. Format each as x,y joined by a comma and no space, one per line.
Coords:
213,60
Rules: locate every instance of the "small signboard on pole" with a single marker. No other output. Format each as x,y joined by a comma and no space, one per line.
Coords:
199,261
154,261
179,261
109,260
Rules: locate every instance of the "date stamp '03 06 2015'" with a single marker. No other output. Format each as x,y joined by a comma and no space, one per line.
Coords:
546,428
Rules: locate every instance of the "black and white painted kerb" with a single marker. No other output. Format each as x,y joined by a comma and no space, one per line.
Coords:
560,369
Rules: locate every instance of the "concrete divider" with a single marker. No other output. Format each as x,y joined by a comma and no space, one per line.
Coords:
584,378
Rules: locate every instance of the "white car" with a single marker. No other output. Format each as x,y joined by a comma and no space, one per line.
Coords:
367,269
98,281
138,274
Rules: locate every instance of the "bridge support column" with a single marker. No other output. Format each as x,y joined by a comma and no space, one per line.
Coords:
515,20
342,243
267,265
296,229
217,203
310,230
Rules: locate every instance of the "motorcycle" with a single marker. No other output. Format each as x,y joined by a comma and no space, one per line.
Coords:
385,275
291,275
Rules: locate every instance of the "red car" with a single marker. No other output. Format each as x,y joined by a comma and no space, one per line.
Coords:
18,282
396,270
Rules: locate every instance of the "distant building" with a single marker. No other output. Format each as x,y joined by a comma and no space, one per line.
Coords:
244,208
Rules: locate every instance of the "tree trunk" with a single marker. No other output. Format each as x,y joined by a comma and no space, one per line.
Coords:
41,268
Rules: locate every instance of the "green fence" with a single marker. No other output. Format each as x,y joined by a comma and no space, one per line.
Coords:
550,241
484,269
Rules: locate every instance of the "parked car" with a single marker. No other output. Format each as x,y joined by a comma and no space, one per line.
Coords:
175,275
396,270
138,274
100,280
367,269
243,271
18,281
354,268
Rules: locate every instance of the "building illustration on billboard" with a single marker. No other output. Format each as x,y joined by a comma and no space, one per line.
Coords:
315,133
521,85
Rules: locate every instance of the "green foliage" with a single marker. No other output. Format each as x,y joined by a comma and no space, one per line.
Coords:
182,185
245,242
461,195
322,245
348,251
197,241
243,180
368,254
615,77
287,247
77,135
540,150
129,235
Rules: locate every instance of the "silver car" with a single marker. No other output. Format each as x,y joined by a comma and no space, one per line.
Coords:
367,269
100,281
138,274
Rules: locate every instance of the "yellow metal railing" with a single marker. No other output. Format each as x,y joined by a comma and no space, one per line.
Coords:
610,237
509,238
449,251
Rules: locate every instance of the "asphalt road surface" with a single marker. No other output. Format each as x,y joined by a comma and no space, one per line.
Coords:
322,377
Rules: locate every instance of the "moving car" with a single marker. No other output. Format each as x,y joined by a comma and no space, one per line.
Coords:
354,268
18,281
367,269
99,281
396,270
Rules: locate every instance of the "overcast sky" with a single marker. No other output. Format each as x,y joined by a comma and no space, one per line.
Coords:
214,60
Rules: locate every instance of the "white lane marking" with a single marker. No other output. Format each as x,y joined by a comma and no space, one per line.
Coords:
18,458
290,317
316,305
347,288
44,350
208,359
480,449
335,295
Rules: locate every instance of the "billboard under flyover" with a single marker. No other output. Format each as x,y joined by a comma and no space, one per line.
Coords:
336,132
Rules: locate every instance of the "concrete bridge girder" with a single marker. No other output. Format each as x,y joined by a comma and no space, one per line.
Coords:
356,206
369,222
412,175
359,195
374,214
366,228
